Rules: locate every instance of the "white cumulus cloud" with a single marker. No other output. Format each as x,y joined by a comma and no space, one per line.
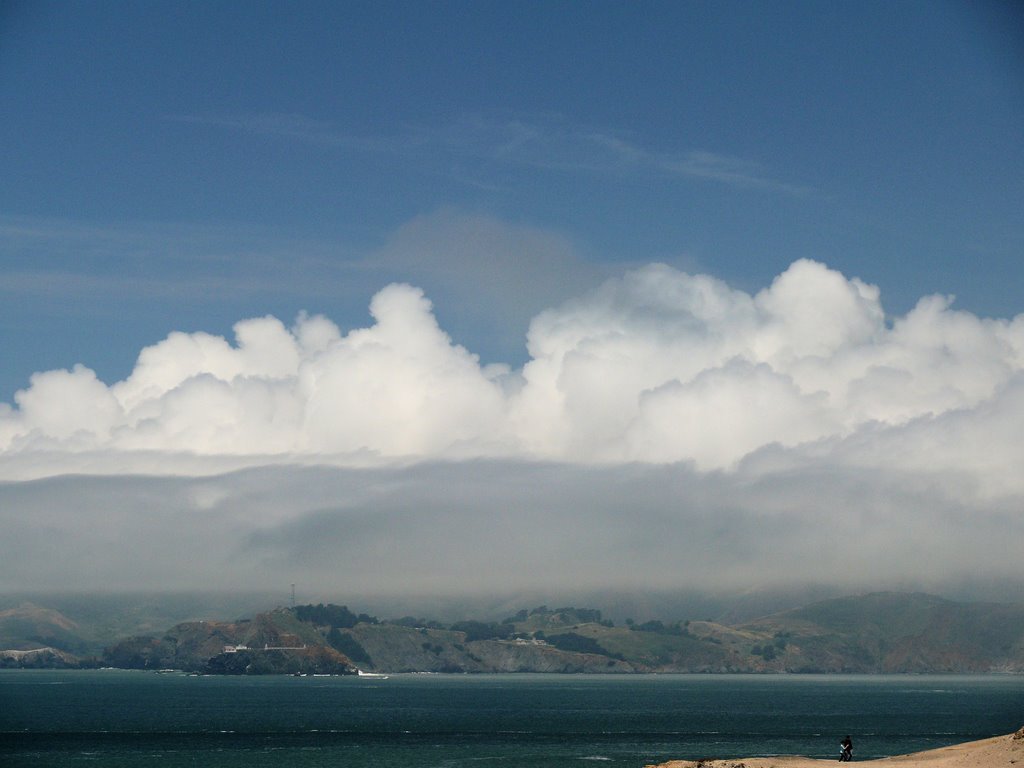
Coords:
654,366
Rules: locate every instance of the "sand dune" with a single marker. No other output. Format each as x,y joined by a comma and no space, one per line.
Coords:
997,752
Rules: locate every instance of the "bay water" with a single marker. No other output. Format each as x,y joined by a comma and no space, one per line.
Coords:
55,718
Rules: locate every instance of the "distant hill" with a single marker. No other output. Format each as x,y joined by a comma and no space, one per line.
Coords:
895,632
29,627
275,642
881,633
874,633
478,647
95,621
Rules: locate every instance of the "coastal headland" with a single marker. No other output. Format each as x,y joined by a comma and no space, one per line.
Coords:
997,752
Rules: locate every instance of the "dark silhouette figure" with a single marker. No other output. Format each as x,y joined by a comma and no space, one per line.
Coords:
846,750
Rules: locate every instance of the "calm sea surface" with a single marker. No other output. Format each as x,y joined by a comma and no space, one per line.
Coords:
117,718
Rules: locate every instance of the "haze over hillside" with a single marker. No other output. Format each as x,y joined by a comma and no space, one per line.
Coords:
879,632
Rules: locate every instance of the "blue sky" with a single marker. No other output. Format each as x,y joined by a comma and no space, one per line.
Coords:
587,294
180,166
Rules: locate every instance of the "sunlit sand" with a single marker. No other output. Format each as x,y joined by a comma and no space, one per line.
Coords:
987,753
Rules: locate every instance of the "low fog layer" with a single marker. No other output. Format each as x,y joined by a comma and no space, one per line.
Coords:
667,431
479,527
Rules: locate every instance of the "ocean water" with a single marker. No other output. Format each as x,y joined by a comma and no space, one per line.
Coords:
52,718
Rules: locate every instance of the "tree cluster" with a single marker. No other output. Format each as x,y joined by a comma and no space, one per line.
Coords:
660,628
331,615
481,630
570,641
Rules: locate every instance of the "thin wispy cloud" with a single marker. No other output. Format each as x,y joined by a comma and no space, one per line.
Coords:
555,145
48,257
727,170
293,127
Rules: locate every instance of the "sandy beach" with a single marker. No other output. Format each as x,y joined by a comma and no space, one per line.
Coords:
987,753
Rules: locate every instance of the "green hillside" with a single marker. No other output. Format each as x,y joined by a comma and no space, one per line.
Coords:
896,632
874,633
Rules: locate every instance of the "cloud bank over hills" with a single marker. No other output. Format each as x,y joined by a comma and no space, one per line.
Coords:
666,430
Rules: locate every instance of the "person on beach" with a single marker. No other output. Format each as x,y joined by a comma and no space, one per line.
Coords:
846,750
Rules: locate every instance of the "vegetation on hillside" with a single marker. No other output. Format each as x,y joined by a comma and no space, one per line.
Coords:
884,632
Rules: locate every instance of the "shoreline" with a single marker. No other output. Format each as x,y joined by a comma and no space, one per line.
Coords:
995,752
